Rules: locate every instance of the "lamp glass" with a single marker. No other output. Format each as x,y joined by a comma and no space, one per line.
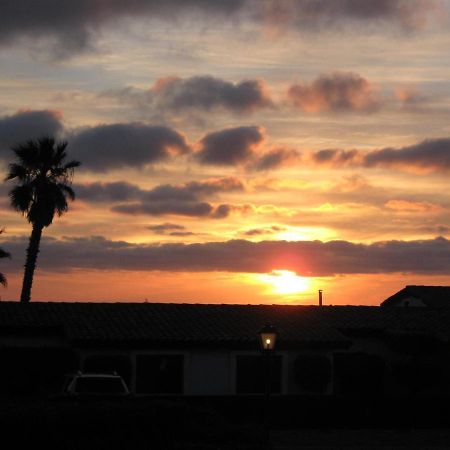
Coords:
268,337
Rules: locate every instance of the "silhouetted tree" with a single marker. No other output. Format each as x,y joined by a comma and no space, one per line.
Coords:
43,186
3,254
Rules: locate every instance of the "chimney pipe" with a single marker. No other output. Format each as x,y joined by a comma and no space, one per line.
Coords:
320,297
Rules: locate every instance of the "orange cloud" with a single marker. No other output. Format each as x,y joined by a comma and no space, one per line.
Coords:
410,206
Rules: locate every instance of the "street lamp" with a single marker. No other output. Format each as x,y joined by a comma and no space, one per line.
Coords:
267,338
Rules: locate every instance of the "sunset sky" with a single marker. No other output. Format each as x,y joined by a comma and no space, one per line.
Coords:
240,151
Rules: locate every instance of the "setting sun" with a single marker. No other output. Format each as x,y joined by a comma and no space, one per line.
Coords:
285,282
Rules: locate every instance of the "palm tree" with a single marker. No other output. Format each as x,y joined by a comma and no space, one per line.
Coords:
3,254
43,186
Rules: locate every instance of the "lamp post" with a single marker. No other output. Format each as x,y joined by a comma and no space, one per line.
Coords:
267,337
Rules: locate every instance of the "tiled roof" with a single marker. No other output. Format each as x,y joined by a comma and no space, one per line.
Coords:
214,324
432,296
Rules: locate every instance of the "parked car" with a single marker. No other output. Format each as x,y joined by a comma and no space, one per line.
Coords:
95,385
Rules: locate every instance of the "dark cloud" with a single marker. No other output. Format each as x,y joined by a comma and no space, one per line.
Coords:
336,92
26,125
118,145
264,231
230,147
430,155
170,229
199,93
181,233
324,14
308,258
107,192
335,157
70,27
162,228
276,158
184,200
189,208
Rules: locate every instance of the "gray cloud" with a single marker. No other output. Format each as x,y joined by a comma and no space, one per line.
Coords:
70,27
229,147
336,92
199,93
26,125
183,200
264,231
308,258
432,155
191,192
276,158
188,208
162,228
335,157
170,229
118,145
323,14
107,192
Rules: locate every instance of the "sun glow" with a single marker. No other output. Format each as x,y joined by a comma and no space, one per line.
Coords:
285,282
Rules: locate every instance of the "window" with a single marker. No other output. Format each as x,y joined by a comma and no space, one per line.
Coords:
159,374
251,371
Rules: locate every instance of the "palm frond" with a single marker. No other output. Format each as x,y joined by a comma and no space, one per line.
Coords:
67,190
43,179
60,205
3,280
27,154
21,197
4,254
17,171
72,165
60,153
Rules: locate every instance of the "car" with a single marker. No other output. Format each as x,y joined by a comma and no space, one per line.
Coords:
95,385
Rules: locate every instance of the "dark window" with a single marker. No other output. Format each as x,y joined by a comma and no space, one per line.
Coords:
159,374
99,385
312,372
251,371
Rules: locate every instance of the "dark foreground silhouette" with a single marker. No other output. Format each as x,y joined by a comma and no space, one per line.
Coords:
225,423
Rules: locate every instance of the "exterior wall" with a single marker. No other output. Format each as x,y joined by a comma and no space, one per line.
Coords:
213,372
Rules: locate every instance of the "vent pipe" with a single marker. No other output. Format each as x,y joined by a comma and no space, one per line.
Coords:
320,297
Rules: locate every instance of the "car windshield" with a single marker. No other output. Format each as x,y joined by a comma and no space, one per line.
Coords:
100,385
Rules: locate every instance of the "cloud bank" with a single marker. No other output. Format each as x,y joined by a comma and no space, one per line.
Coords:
307,258
71,27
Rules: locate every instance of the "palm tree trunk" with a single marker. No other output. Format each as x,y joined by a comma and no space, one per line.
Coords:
30,265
